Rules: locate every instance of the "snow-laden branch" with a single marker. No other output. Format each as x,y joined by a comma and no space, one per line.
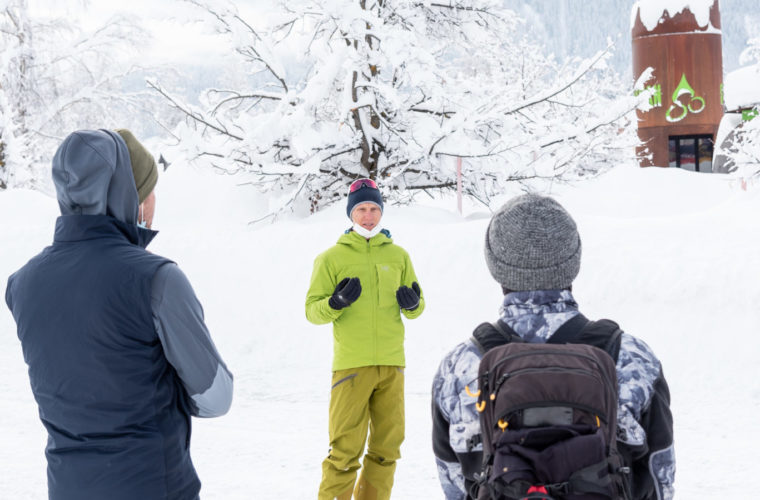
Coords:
546,95
192,114
55,77
391,89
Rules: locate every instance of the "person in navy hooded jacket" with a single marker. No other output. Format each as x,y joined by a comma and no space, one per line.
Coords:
118,352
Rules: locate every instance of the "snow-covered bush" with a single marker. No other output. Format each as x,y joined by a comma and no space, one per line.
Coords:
56,77
744,151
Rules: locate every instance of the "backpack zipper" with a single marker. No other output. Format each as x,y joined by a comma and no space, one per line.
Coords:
499,381
607,382
591,411
505,376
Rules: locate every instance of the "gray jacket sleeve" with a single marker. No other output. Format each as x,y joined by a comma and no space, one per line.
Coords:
178,317
645,423
456,422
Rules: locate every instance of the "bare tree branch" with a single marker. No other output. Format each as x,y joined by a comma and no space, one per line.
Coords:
191,114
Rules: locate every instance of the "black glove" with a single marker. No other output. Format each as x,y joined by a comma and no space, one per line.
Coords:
346,293
408,298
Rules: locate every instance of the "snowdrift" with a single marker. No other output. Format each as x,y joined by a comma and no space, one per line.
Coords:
670,255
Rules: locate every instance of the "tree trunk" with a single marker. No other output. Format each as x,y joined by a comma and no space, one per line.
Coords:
370,149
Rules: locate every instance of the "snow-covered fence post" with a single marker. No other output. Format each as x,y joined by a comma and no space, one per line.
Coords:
459,184
2,163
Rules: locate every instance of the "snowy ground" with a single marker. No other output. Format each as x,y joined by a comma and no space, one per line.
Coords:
671,255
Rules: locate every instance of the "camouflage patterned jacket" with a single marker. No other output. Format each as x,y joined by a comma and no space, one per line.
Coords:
645,427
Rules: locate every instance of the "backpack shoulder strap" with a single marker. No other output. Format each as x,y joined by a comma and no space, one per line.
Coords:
567,333
507,331
489,335
604,334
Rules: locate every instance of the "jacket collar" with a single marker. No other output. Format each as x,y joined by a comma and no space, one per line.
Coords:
352,238
72,228
535,315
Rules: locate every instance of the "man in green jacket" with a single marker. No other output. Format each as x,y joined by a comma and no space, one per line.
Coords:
362,285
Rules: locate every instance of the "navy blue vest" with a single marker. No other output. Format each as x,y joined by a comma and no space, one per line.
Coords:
117,417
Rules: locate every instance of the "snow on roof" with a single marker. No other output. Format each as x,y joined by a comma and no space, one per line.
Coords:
651,11
740,87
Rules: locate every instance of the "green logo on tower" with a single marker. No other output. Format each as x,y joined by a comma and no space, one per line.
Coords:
655,100
684,89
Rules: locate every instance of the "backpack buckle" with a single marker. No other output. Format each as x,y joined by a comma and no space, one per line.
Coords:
546,491
536,492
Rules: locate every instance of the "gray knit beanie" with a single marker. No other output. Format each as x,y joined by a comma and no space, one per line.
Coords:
532,243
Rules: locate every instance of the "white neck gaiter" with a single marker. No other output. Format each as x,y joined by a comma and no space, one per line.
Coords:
367,233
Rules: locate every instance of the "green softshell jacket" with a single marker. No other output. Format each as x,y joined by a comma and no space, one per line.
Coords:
369,331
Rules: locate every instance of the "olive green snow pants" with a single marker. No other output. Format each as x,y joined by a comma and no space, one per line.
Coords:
366,398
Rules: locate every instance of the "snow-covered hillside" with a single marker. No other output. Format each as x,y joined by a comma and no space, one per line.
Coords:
671,255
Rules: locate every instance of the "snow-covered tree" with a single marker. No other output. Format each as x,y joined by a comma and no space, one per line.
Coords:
751,55
396,90
744,150
16,80
56,77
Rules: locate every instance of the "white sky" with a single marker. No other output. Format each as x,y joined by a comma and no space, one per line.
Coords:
181,34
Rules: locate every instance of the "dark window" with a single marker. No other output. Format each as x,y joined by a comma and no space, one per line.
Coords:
705,154
691,152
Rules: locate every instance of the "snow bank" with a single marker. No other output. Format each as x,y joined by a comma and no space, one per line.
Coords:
741,89
671,255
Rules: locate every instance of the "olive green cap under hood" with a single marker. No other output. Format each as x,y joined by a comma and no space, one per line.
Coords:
144,167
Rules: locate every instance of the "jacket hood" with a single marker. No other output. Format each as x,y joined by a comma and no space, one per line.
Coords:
92,174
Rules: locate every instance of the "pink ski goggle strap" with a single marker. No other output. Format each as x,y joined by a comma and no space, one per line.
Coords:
360,183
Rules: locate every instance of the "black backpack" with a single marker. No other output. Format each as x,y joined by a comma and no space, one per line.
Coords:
548,414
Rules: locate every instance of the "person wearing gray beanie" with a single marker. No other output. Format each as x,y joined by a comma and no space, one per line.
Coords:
533,250
532,243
